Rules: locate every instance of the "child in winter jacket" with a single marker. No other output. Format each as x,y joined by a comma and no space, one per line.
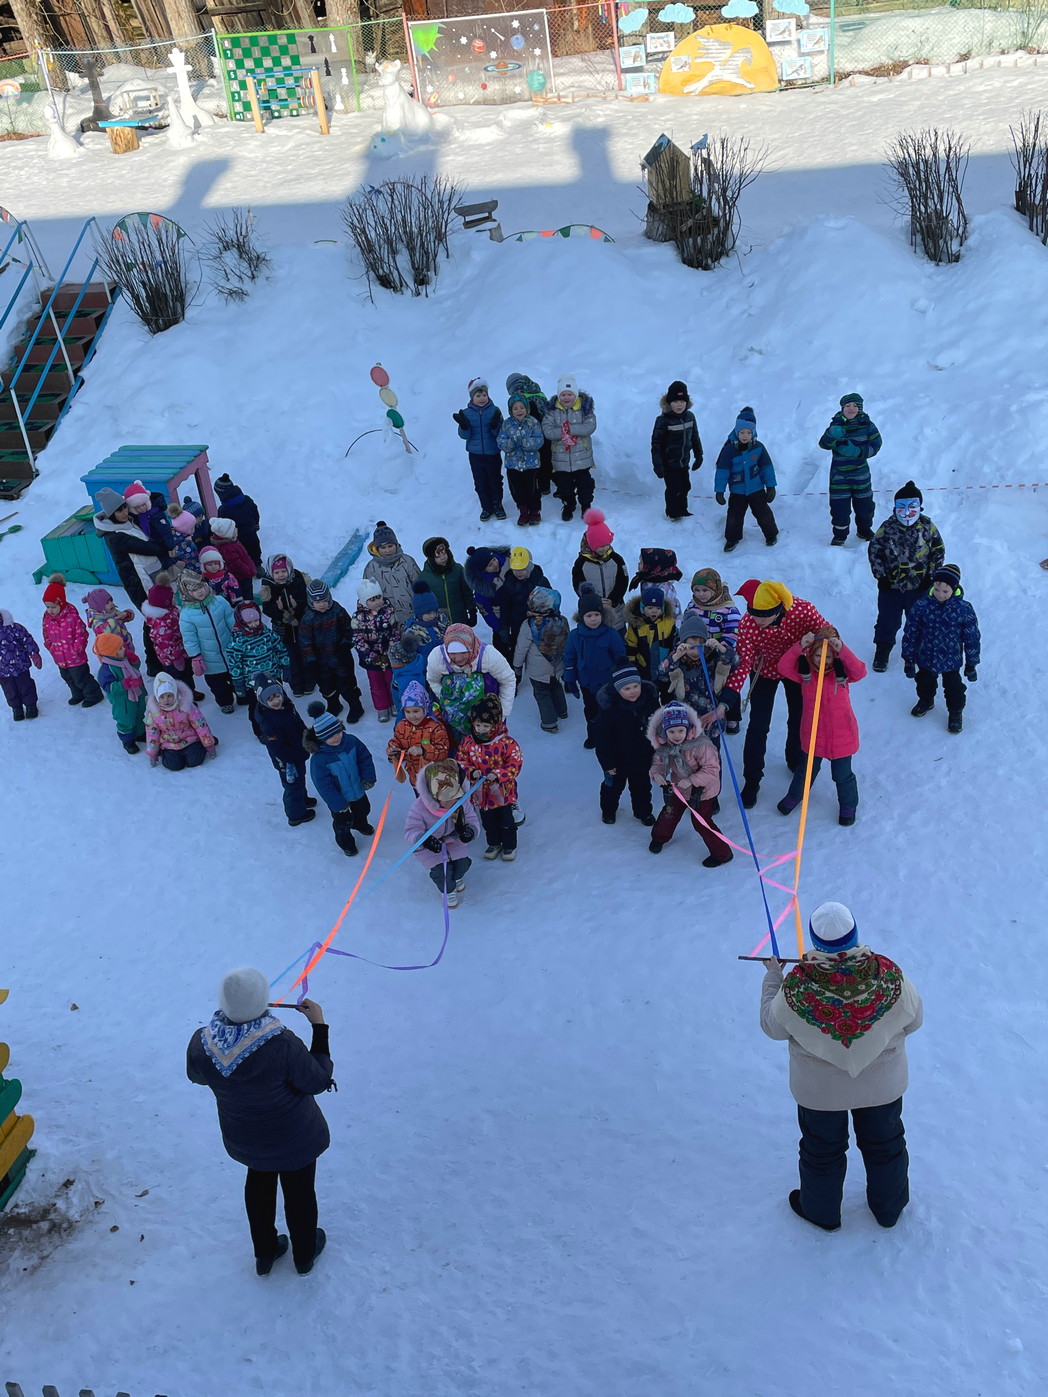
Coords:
903,553
282,731
406,664
463,670
443,851
625,707
206,623
446,579
148,509
520,385
104,617
219,578
253,647
176,733
485,569
375,627
184,525
519,580
540,655
325,641
429,623
837,738
674,441
696,673
521,439
418,738
65,639
568,424
942,633
234,555
343,772
243,511
479,424
121,680
687,760
712,601
651,633
18,652
852,439
600,567
745,470
393,570
488,754
658,566
283,594
593,651
164,629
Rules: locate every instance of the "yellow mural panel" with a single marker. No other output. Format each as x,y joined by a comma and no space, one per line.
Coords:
722,60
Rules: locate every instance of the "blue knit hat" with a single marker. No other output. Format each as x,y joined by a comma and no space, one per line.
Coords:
324,723
675,715
833,928
652,596
423,601
746,418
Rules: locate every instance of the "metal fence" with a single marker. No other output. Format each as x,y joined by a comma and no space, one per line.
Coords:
119,66
881,37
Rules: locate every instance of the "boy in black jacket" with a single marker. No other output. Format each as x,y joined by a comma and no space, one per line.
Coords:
624,709
674,441
325,643
281,730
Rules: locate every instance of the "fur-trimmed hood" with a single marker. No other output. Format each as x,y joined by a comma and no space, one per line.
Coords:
607,617
184,704
664,405
635,610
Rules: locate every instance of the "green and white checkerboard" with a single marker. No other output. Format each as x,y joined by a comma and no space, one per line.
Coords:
258,54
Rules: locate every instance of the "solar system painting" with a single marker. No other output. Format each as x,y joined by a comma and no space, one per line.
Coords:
476,59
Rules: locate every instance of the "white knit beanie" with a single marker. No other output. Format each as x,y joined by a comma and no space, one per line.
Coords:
244,995
223,528
366,589
568,384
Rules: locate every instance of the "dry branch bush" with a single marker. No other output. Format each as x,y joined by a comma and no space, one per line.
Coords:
400,230
152,266
233,256
1030,162
928,168
705,233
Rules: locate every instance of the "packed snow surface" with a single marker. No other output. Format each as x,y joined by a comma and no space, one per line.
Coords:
560,1159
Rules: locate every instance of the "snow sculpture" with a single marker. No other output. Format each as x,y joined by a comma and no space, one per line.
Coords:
193,115
180,136
60,144
401,112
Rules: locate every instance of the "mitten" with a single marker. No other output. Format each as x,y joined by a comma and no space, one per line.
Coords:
37,662
467,833
970,673
658,471
910,669
696,466
367,785
835,430
770,494
433,845
566,437
199,666
242,700
572,689
461,419
719,497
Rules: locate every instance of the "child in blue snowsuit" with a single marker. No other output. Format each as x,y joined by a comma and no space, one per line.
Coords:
478,426
745,470
343,772
593,652
281,730
521,440
852,439
942,633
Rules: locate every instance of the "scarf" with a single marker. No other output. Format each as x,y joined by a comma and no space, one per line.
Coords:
845,1006
550,634
228,1044
129,676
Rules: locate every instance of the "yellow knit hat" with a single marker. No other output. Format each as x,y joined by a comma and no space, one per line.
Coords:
769,595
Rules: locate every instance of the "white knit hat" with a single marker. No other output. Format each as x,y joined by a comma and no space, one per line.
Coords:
244,995
164,684
478,385
366,589
223,528
568,383
833,927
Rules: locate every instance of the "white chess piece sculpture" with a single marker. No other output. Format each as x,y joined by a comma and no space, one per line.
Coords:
399,111
60,144
194,116
180,136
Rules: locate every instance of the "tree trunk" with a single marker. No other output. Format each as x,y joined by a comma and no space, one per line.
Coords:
340,12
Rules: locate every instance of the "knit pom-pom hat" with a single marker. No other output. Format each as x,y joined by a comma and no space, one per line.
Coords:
597,535
324,723
55,590
384,534
366,589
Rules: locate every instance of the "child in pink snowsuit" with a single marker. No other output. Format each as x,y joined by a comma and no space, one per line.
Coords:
685,758
838,736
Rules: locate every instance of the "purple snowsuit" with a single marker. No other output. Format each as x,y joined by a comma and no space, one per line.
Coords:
17,650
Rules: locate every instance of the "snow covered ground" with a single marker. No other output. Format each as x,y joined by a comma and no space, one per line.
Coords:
560,1160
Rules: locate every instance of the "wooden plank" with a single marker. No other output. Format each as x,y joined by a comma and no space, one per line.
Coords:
15,1143
252,97
5,1056
14,1177
10,1095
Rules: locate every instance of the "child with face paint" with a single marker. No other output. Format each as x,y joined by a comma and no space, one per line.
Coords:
904,552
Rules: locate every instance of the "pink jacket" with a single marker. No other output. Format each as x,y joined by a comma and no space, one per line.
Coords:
236,557
838,734
171,729
694,765
65,637
425,812
166,633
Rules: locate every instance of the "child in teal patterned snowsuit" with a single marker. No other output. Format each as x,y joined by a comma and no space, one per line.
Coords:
852,438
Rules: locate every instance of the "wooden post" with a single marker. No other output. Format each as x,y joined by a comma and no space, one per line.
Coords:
252,97
122,139
318,93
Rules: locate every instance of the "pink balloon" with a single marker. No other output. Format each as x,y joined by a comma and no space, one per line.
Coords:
379,376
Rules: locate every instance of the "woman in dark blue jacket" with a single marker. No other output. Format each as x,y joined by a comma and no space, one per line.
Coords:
264,1079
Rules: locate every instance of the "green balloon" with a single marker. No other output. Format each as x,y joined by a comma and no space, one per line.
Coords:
395,417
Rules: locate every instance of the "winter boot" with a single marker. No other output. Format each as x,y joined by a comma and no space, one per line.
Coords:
956,723
355,712
500,512
364,828
834,543
795,1204
865,534
730,547
311,802
771,542
711,862
75,701
18,714
535,517
646,820
453,898
518,815
655,847
228,708
264,1264
846,815
485,515
731,727
508,855
921,707
131,748
554,727
385,715
90,703
788,804
492,851
609,818
303,819
750,791
523,518
32,711
321,1244
349,849
460,885
880,658
568,513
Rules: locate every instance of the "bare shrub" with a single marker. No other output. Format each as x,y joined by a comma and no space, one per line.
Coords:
1030,162
152,263
928,169
400,230
705,233
233,256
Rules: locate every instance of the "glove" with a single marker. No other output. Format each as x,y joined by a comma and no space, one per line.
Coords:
835,430
433,845
572,689
461,419
770,494
910,669
970,673
38,662
467,833
719,497
367,785
696,466
198,664
658,471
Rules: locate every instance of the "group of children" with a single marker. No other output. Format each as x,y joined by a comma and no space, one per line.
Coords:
547,442
660,682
